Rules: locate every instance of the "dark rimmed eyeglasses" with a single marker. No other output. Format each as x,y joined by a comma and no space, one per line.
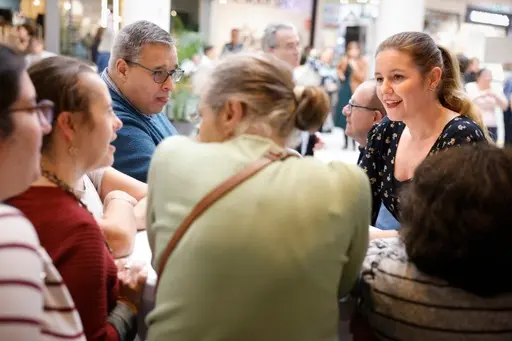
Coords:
44,110
351,105
160,76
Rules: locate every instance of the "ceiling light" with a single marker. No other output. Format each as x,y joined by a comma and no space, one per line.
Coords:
489,18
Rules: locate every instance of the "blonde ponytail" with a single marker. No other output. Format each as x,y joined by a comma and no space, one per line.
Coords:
452,95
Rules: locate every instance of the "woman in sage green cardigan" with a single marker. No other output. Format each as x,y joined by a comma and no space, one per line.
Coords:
270,260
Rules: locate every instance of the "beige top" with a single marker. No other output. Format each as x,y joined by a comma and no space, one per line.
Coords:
266,262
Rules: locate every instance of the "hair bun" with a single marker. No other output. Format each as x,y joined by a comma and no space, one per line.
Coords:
312,107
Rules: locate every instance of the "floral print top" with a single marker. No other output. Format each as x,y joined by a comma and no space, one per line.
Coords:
378,160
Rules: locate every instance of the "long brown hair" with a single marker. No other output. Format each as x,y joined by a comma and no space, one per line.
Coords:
57,79
426,55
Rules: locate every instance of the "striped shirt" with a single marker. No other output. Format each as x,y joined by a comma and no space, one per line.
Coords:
401,303
34,301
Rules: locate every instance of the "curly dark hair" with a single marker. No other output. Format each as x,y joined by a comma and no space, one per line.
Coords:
456,218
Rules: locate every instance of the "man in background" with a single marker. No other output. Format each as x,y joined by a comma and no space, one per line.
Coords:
234,45
363,111
282,41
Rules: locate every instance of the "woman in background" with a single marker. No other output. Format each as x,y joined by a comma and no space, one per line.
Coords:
352,71
491,100
96,43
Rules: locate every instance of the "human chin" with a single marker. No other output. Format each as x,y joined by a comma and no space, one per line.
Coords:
396,114
156,107
107,159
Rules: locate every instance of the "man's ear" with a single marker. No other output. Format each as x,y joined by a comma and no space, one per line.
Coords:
377,116
122,68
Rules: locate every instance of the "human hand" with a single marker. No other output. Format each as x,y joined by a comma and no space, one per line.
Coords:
319,144
132,279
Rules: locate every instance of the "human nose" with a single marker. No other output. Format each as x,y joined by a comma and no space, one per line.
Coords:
346,110
169,84
385,87
118,124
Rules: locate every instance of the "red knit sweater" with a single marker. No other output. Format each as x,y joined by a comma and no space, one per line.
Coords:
77,247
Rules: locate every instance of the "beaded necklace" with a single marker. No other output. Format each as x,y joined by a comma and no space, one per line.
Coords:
53,178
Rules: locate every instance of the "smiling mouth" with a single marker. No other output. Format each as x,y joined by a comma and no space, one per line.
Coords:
392,104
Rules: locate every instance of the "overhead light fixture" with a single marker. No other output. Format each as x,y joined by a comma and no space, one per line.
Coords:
174,13
37,2
67,5
488,18
105,12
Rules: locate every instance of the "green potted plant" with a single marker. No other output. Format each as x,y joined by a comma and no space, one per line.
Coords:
183,101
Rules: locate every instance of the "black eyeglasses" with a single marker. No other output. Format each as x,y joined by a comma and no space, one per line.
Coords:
160,76
352,105
44,110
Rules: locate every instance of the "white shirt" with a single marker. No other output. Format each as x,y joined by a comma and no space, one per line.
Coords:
487,103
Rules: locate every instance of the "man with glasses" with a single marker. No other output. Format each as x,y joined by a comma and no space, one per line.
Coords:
282,41
142,73
363,111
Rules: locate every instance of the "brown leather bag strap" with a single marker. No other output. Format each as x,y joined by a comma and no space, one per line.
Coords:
214,195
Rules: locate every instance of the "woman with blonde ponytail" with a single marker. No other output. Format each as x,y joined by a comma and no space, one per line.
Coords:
419,84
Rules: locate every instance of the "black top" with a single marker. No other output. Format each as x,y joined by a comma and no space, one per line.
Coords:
379,156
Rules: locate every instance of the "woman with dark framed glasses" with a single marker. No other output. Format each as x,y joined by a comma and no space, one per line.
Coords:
28,305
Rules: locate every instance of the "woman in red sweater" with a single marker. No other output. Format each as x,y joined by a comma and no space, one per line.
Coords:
83,128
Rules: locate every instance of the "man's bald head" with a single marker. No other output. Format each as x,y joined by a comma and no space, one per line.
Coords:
365,110
368,90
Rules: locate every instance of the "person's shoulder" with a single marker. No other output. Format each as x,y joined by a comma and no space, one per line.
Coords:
344,182
39,203
346,174
174,145
462,129
16,227
385,130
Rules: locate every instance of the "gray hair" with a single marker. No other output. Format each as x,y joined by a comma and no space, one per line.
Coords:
268,41
133,37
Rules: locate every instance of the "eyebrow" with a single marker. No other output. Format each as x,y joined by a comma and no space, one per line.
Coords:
164,68
392,70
